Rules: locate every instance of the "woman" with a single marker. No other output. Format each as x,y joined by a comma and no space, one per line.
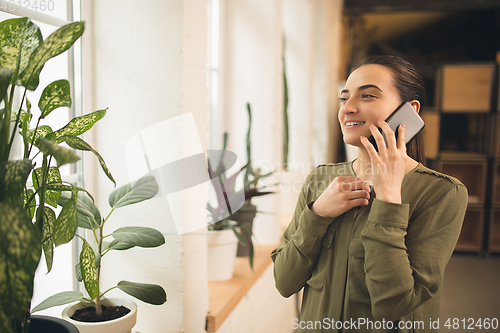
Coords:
372,258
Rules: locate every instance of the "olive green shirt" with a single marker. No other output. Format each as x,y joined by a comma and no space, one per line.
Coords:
375,267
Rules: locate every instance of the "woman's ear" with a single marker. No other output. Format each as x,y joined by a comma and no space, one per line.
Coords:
416,105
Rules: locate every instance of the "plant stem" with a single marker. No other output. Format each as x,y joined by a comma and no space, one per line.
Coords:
98,307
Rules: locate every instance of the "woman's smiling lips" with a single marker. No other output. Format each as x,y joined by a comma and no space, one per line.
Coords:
353,124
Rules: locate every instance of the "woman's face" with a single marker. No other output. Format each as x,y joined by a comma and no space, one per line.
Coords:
369,95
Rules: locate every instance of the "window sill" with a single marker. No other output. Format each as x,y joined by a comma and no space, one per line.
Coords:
224,296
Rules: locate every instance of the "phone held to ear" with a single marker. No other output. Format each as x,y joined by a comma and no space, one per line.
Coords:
404,114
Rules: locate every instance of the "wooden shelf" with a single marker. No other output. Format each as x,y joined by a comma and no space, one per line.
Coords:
495,230
467,88
224,296
471,236
496,183
471,172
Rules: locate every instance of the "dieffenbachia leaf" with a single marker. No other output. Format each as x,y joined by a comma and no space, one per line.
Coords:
66,223
88,215
40,132
19,256
61,154
13,176
149,293
55,95
47,240
58,42
77,143
139,236
18,40
65,297
143,189
25,124
5,75
51,195
29,201
78,125
89,270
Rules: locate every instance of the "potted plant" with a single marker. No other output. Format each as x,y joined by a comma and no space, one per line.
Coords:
240,221
27,221
94,313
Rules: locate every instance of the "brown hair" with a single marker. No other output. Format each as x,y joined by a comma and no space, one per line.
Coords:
410,86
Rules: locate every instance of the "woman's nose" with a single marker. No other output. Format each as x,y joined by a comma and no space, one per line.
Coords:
348,106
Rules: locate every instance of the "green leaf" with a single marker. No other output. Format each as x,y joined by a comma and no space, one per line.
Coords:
51,194
65,297
25,124
78,125
47,240
78,272
13,176
62,155
149,293
77,143
66,223
5,75
143,189
19,256
58,42
139,236
18,40
55,95
119,245
40,132
28,195
89,270
87,213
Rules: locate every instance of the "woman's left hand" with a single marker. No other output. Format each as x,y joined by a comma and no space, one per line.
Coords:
389,163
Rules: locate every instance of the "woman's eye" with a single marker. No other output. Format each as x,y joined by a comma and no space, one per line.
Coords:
343,100
367,96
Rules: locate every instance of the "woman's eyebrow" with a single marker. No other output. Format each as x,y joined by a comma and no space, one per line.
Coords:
363,87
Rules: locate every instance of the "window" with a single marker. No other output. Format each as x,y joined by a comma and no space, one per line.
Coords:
214,139
49,15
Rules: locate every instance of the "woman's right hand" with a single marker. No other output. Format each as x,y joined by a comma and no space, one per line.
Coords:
341,195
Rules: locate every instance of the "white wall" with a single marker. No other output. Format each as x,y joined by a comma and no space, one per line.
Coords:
253,72
148,64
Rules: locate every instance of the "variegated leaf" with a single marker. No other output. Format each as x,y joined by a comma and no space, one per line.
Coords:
58,42
51,195
77,143
87,213
55,95
5,75
66,223
13,176
18,40
19,256
47,240
61,154
78,125
89,270
40,132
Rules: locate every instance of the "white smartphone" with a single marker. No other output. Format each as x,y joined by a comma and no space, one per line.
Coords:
403,114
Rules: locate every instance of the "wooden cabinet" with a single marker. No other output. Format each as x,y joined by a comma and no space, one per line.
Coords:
462,139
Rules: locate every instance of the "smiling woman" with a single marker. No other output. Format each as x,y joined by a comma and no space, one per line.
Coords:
372,254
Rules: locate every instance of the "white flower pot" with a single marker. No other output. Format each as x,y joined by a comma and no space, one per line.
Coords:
119,325
222,246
